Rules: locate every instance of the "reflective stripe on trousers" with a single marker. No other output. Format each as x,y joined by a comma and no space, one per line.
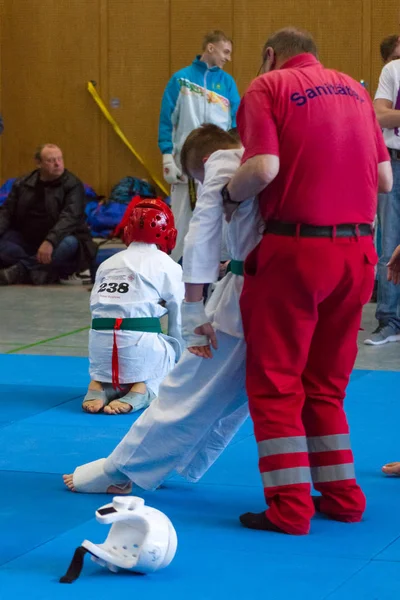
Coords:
303,474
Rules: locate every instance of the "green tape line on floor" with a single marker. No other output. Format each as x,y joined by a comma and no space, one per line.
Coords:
52,339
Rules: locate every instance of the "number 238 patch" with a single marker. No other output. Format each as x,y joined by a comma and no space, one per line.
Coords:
112,288
116,284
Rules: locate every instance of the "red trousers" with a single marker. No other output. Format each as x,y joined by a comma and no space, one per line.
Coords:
301,307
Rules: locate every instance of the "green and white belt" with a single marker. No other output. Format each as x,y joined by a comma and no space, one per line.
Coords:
146,324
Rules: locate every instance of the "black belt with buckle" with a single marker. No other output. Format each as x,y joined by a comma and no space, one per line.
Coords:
395,154
291,229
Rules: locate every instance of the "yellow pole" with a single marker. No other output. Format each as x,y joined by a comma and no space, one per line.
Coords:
93,92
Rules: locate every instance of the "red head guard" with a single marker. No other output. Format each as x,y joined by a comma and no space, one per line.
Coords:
151,221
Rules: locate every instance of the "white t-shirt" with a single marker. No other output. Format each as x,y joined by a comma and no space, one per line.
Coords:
389,89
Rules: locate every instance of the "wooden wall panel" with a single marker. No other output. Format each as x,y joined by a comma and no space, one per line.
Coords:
366,49
385,22
105,127
336,25
138,71
50,49
190,21
130,48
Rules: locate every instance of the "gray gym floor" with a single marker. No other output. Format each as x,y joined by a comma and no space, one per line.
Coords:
31,317
51,321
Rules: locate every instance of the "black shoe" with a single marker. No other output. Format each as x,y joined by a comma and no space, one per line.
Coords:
14,275
259,521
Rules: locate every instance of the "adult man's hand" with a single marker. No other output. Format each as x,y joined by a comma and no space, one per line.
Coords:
394,267
208,331
228,204
45,253
229,209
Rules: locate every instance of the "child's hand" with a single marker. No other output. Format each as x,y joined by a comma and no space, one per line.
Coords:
222,269
205,351
394,267
201,351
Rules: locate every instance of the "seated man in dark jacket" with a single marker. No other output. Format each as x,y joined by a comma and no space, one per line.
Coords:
43,234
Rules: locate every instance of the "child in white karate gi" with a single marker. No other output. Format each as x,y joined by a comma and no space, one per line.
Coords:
129,356
202,402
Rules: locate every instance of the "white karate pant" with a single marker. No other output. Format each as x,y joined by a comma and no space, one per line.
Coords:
201,405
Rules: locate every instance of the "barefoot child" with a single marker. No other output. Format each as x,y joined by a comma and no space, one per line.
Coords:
202,402
129,356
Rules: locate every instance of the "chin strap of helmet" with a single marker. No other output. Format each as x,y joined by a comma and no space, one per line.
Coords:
76,566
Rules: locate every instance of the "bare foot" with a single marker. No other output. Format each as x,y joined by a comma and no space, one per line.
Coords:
392,468
69,482
117,408
112,489
93,406
96,405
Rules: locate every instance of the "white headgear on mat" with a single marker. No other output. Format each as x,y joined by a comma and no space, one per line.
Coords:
141,539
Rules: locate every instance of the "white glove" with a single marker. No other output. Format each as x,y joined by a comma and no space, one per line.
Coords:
171,172
193,315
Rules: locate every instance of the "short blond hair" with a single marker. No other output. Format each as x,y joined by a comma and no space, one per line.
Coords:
212,37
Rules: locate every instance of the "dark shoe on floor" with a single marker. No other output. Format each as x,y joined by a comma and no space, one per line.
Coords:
259,521
14,275
83,278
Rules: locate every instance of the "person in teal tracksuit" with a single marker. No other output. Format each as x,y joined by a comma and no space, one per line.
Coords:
200,93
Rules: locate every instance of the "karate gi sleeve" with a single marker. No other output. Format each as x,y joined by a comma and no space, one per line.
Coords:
173,294
203,242
166,124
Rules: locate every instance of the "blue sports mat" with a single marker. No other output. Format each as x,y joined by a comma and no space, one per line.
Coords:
49,449
47,434
22,401
376,581
194,574
48,371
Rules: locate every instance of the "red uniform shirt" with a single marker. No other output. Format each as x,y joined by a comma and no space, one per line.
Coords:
322,125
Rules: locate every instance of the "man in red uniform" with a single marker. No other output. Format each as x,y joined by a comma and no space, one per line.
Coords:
315,155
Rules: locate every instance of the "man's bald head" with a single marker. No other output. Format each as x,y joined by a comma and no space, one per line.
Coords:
50,161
